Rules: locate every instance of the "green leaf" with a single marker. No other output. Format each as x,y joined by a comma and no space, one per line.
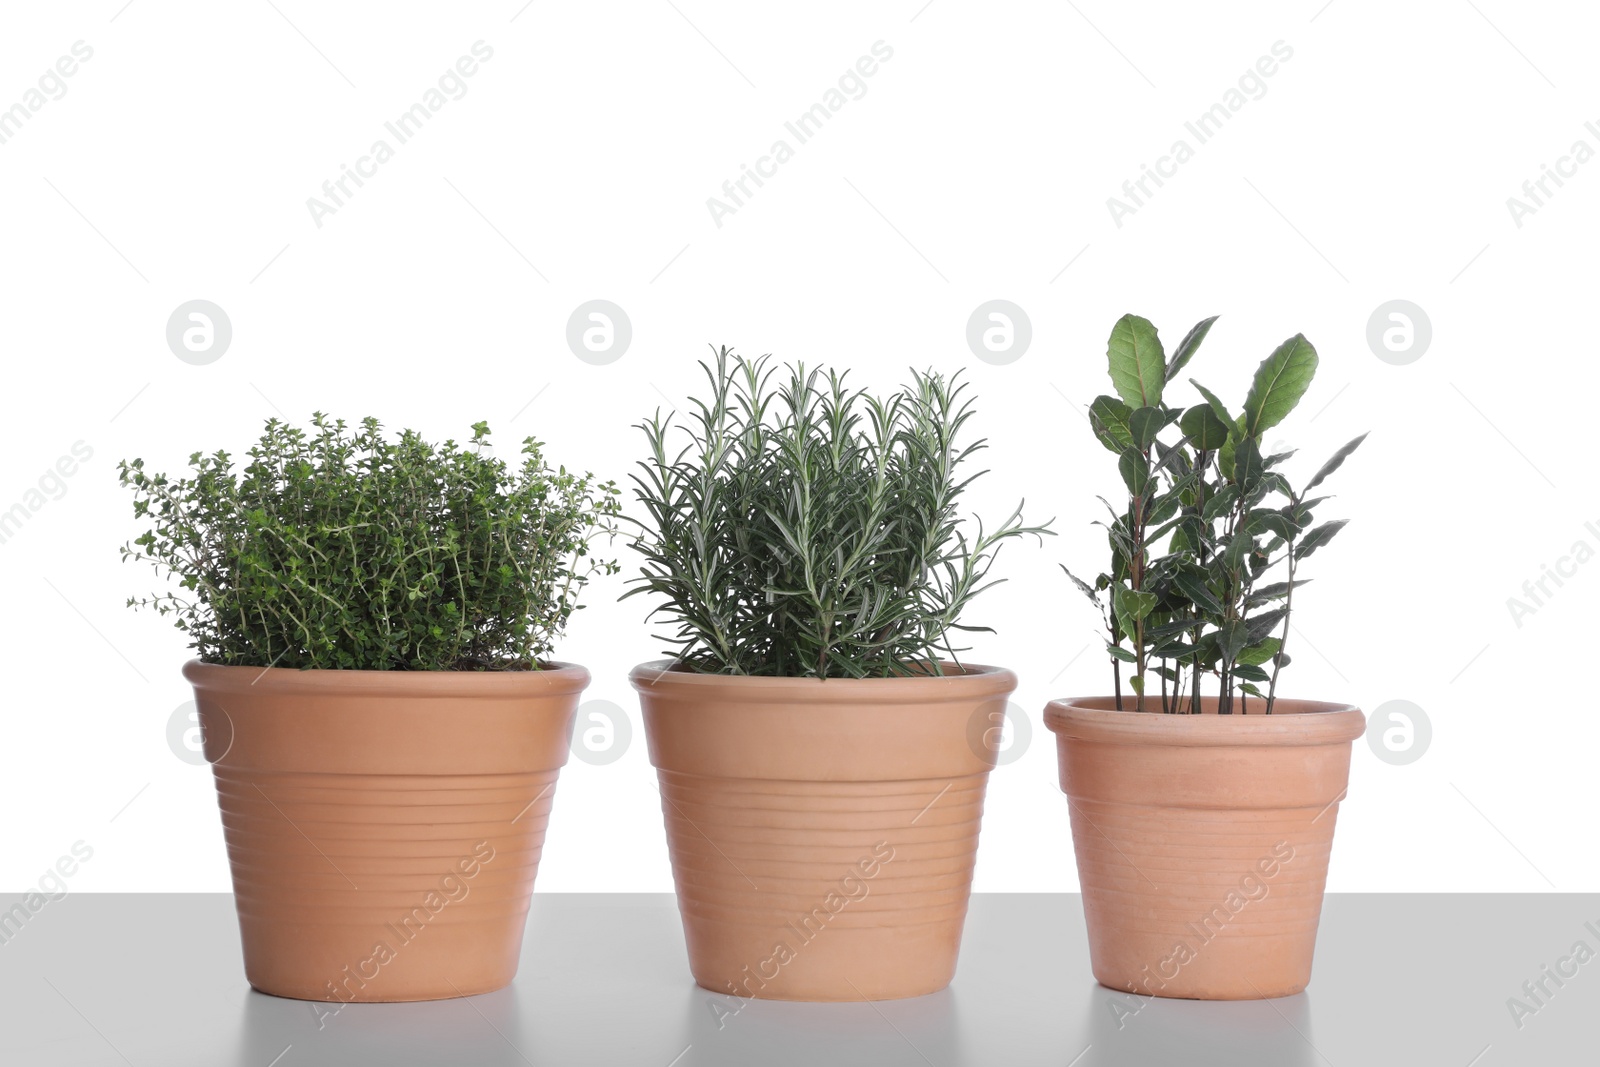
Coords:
1247,468
1144,424
1239,547
1083,587
1225,454
1261,653
1121,549
1135,470
1216,405
1108,417
1232,637
1163,508
1118,652
1268,593
1136,682
1280,382
1318,537
1138,366
1270,520
1333,464
1220,503
1301,512
1193,585
1189,346
1171,457
1131,607
1165,633
1134,604
1259,627
1205,431
1272,481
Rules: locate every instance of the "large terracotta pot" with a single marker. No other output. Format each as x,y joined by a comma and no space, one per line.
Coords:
1203,841
384,827
822,833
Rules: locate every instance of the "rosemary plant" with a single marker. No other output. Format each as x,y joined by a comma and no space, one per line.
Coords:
1206,553
810,529
347,549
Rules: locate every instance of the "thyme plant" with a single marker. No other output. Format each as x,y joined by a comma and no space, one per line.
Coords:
1206,551
345,548
809,529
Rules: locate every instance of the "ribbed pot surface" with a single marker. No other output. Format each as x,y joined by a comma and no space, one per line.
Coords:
822,833
1203,841
384,828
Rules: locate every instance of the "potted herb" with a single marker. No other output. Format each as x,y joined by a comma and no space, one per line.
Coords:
812,729
1202,801
373,619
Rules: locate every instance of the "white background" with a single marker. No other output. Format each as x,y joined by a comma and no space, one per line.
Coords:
976,166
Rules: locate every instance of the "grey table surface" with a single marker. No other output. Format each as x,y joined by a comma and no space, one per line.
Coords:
156,979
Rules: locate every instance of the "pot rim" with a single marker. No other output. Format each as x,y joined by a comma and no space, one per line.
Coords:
976,680
558,677
1303,722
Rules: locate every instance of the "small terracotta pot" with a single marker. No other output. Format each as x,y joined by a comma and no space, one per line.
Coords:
822,833
1203,841
384,827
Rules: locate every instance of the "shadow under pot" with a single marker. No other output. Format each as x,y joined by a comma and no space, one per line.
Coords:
384,827
1203,841
822,832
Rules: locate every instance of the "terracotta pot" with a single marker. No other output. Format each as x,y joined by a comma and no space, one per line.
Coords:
822,833
384,827
1203,841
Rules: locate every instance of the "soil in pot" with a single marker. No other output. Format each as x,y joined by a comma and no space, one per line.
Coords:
1203,841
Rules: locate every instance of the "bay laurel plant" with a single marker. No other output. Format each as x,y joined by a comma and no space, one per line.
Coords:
1207,549
806,528
348,548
